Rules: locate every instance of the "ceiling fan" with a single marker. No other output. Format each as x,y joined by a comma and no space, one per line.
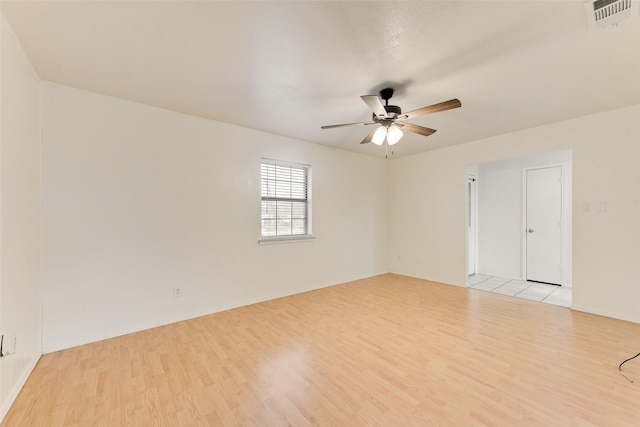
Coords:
391,118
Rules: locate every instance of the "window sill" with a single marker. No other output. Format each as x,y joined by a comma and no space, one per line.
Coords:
285,239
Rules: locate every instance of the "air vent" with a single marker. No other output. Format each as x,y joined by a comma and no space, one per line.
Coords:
604,13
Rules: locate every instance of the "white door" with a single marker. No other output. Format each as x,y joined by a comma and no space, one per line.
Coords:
471,225
544,225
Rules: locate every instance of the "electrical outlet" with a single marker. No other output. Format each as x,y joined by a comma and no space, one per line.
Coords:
177,292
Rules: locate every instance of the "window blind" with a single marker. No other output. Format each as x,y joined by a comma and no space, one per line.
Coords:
285,199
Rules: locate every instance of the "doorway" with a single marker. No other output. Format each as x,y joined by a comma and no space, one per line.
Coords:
472,220
499,244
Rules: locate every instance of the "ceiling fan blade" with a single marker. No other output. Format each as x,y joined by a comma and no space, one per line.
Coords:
435,108
374,102
367,139
347,124
416,129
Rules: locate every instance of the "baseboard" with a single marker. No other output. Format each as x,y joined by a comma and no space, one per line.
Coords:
459,284
15,390
605,313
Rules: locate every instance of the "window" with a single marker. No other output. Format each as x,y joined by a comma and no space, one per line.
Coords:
285,200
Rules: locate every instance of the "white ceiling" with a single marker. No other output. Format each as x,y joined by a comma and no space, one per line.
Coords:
289,67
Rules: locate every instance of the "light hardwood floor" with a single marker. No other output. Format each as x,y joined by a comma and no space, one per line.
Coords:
384,351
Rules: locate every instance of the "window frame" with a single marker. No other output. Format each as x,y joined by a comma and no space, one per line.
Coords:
275,185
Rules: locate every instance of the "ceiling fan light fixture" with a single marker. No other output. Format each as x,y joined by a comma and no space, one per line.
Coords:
394,134
379,135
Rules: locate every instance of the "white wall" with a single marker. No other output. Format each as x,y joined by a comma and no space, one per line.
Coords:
427,206
500,199
138,200
19,215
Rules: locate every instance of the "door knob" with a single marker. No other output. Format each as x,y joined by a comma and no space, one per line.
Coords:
530,230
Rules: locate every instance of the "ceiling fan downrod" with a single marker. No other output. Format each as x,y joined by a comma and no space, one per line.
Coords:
386,94
393,110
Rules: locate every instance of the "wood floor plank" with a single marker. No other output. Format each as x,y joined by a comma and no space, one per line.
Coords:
389,350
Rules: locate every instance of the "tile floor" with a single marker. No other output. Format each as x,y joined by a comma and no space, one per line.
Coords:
550,294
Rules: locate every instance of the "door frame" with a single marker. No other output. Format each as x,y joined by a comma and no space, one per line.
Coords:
566,250
472,216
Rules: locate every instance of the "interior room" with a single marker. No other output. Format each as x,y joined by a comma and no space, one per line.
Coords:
154,272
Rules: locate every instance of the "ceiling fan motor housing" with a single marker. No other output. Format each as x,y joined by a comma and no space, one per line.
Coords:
393,111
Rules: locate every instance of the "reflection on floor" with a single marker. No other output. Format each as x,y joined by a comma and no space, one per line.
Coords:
522,289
